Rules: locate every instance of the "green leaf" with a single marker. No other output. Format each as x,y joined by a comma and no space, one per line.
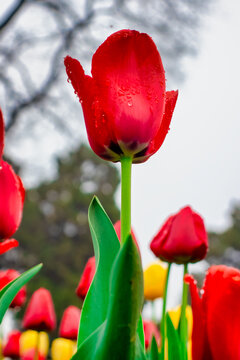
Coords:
125,304
140,332
8,293
153,354
117,337
174,344
106,247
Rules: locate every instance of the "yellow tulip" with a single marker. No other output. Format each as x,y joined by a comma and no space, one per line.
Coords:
31,339
175,317
154,281
62,349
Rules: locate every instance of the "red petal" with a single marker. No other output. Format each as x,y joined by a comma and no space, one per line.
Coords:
86,278
1,135
171,98
11,201
98,129
7,245
70,322
40,313
221,298
6,276
11,347
129,75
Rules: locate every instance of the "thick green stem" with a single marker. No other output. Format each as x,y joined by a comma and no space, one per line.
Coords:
183,319
126,166
163,320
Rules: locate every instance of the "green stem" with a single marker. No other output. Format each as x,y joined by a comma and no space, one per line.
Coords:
163,320
183,319
126,166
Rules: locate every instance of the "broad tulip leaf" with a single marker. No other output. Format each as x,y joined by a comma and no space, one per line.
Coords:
117,337
141,332
120,337
174,344
106,247
8,293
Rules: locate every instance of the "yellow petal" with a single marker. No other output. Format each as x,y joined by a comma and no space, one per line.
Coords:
154,281
31,339
62,349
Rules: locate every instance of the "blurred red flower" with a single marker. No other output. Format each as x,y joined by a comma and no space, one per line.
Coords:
6,276
182,238
150,329
216,315
31,355
126,108
70,323
40,313
86,278
12,345
12,195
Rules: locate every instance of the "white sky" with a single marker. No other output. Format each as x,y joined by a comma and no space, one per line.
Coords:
198,163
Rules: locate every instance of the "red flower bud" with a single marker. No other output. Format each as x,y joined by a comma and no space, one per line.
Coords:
6,276
182,239
216,315
150,329
11,348
117,228
12,196
126,108
31,355
40,313
86,278
70,323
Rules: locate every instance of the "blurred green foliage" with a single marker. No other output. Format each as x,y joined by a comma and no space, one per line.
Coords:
54,229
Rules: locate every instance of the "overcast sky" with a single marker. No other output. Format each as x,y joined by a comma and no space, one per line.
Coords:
199,161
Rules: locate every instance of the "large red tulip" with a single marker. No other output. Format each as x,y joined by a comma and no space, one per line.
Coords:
126,108
150,329
40,313
6,276
12,345
70,323
216,315
182,239
1,134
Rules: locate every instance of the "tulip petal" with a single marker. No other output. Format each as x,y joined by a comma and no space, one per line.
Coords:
7,245
129,75
99,132
1,134
11,201
171,98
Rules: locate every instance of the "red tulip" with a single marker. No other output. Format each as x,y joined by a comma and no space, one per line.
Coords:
1,135
182,239
6,276
126,108
12,195
86,278
31,355
216,315
150,329
11,348
40,313
70,323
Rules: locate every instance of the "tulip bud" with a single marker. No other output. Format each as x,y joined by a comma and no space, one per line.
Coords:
86,279
154,277
31,339
40,313
62,349
70,323
11,347
182,239
6,276
150,329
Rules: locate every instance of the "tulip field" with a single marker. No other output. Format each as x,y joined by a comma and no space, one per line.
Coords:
127,112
